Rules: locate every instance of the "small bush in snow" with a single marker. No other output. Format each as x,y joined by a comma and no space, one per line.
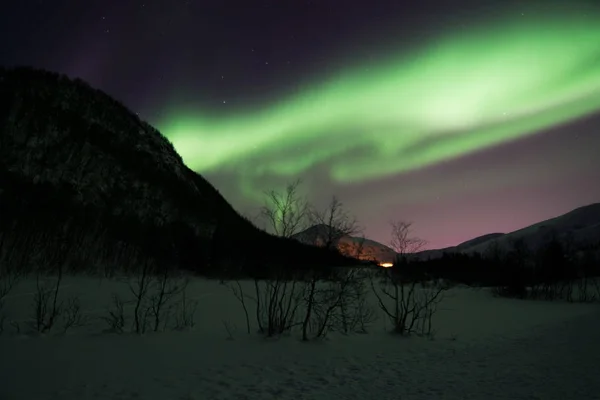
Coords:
116,315
277,302
163,290
139,288
238,292
72,315
185,312
46,304
409,302
8,281
336,305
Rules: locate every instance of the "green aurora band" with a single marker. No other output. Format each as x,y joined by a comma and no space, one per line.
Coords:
459,94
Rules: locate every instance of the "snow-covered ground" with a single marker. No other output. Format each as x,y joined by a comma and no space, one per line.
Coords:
485,348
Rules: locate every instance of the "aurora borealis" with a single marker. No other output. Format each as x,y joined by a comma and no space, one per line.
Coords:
465,120
465,93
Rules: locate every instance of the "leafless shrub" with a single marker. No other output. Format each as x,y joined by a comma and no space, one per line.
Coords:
229,329
335,222
72,315
139,289
321,301
238,292
16,326
409,304
164,288
402,240
406,297
588,284
153,303
108,271
7,282
46,305
355,313
277,302
325,304
596,289
185,312
286,213
337,304
116,315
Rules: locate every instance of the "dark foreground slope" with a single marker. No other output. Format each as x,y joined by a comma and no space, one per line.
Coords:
84,183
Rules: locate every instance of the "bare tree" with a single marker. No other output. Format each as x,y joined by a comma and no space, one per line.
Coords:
116,315
321,301
402,240
73,317
238,292
46,304
139,289
278,297
186,310
286,213
330,226
339,305
407,297
413,302
165,289
8,281
277,303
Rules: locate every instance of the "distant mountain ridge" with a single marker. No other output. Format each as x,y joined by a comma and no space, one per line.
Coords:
86,184
580,227
353,246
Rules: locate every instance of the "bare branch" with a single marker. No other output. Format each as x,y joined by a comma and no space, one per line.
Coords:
286,213
402,242
334,223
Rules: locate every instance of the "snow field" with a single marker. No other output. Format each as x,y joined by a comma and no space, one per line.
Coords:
484,348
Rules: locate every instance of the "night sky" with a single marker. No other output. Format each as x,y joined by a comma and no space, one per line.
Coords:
465,117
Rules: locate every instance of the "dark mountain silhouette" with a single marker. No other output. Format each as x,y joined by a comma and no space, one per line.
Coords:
86,184
319,235
478,240
578,228
353,246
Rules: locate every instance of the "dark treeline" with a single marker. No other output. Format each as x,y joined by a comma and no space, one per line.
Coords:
85,185
547,272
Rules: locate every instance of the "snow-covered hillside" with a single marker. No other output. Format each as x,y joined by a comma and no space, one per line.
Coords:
485,348
581,227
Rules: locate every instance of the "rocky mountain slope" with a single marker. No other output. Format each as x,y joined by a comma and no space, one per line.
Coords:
86,184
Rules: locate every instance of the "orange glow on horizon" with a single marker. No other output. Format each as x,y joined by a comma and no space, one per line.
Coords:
386,265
